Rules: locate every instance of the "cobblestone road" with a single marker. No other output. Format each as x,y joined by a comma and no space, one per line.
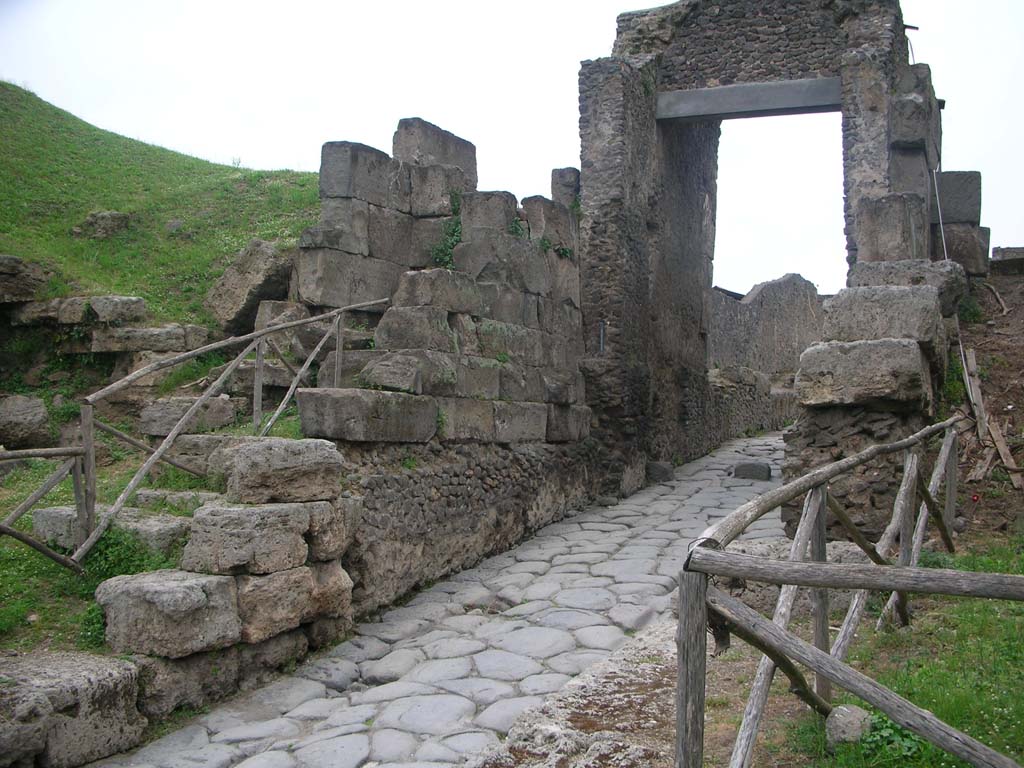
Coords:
444,676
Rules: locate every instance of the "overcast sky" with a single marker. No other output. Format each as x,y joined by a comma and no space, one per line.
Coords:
267,83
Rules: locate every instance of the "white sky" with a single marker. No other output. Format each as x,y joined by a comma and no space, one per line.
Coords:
269,82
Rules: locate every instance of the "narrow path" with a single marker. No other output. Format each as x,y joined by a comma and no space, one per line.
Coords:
444,676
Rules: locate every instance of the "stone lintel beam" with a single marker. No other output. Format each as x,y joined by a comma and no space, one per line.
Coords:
781,97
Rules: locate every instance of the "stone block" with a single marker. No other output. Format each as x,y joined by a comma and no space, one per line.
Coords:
260,271
752,470
258,662
660,471
466,420
192,681
520,422
487,211
504,341
416,328
19,280
443,288
426,235
916,121
332,592
565,186
508,305
947,277
162,533
280,469
562,386
497,257
328,278
167,338
332,527
348,221
553,224
521,383
338,238
565,277
967,245
391,234
258,539
348,169
169,613
892,228
846,724
434,373
272,604
560,318
352,364
432,188
364,415
24,422
243,378
568,423
421,143
62,710
888,312
909,172
129,362
1007,261
464,327
959,198
852,373
160,417
54,311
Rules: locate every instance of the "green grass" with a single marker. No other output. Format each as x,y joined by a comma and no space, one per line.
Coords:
55,169
963,659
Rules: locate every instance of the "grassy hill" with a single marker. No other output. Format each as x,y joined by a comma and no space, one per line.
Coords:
55,169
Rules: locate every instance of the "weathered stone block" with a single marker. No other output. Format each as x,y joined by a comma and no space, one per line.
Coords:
338,239
487,211
62,710
259,539
426,235
850,373
416,328
167,338
562,386
260,271
752,470
348,221
432,188
959,198
129,362
355,170
508,305
272,604
367,415
23,422
160,417
391,234
947,277
352,364
521,383
565,186
466,420
888,312
443,288
660,472
520,422
1007,261
553,224
434,373
169,613
568,423
243,378
559,317
162,533
464,327
421,143
916,118
497,257
324,277
565,277
513,342
332,591
19,280
331,528
279,469
193,681
967,245
892,228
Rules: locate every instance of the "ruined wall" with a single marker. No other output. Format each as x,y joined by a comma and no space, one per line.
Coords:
768,328
707,44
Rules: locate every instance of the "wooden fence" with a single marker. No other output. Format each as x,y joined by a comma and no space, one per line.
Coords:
80,460
702,606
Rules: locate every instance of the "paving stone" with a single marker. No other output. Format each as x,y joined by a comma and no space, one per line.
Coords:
433,636
592,598
619,568
436,714
343,752
440,669
502,665
535,642
210,756
393,631
500,715
336,674
436,752
545,683
495,627
602,637
350,715
316,709
631,616
268,760
390,692
528,608
388,744
391,667
451,648
277,728
287,694
574,662
481,690
564,618
471,742
361,648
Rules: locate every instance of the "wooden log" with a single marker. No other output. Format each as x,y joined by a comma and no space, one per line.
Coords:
692,650
733,524
819,596
952,470
1002,304
982,468
257,387
120,384
48,485
295,383
856,536
339,351
933,509
931,581
280,356
146,448
24,538
165,446
81,511
1005,455
974,384
42,453
913,718
87,423
746,737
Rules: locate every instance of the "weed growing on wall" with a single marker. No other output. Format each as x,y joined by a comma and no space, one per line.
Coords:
442,254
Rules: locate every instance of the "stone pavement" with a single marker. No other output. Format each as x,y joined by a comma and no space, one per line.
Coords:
444,676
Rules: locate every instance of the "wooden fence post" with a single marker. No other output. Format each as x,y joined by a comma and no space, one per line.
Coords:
257,387
339,350
691,648
88,523
819,597
952,465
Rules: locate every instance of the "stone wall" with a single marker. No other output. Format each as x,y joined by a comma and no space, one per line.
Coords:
767,329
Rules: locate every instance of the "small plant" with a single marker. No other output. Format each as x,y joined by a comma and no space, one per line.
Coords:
516,228
92,629
563,252
887,740
545,244
409,462
577,208
501,357
442,422
969,310
442,254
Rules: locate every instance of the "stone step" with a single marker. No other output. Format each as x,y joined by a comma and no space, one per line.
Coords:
160,532
165,338
81,310
158,418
